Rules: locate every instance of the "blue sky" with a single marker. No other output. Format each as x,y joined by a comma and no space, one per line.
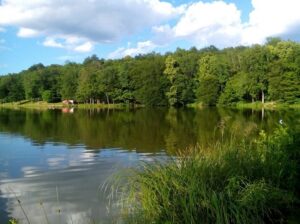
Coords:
52,32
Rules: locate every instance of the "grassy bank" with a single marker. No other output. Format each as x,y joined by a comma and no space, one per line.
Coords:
254,106
44,105
31,105
225,183
267,105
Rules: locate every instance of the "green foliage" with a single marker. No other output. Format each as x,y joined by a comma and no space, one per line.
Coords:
235,90
225,183
47,96
284,76
255,64
150,82
208,90
212,77
209,76
11,88
181,86
68,80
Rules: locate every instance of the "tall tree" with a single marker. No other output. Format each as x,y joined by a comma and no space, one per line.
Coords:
69,83
181,87
211,77
256,63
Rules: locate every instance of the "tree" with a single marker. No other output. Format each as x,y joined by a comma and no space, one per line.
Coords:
88,86
256,63
109,83
150,83
284,75
181,87
69,81
236,90
11,88
211,77
47,96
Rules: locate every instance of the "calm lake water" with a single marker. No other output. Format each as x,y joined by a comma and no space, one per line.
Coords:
58,160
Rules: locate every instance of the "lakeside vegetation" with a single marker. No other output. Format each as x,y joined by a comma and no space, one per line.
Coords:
209,76
59,105
43,105
235,182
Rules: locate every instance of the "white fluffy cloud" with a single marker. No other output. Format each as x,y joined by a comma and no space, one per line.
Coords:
272,18
219,23
141,48
70,43
91,21
216,23
80,24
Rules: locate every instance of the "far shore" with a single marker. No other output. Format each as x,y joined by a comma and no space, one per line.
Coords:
43,105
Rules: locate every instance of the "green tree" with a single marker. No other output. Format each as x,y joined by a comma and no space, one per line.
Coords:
256,62
181,87
236,90
11,88
109,84
47,96
209,76
69,81
284,75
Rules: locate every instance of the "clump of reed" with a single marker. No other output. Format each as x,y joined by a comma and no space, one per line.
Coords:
225,183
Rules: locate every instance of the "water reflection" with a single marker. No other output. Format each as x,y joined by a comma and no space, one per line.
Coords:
55,178
60,159
144,130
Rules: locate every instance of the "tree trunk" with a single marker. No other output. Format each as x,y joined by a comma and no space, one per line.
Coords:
107,98
262,97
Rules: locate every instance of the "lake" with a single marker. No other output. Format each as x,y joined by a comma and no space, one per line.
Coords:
55,162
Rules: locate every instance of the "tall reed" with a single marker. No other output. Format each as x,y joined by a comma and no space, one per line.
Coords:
225,183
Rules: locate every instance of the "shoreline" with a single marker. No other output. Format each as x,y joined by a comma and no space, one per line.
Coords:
42,105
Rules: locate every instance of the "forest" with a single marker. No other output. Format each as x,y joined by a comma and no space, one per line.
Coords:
210,76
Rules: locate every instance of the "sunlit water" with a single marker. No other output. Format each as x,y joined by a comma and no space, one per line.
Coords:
56,163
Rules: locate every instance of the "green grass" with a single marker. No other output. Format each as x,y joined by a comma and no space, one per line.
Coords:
42,105
225,183
267,105
31,105
196,105
100,105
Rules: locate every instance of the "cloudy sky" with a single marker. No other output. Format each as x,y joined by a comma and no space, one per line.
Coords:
53,31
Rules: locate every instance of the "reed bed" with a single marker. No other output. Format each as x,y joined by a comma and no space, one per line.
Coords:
225,183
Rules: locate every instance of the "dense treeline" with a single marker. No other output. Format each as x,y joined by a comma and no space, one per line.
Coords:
269,72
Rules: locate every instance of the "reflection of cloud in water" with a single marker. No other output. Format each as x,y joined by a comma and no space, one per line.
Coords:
77,176
54,162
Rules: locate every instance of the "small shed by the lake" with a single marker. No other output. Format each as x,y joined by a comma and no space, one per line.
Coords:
68,102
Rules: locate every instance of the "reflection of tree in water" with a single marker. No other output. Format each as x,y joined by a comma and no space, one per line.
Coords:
144,130
182,130
138,129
